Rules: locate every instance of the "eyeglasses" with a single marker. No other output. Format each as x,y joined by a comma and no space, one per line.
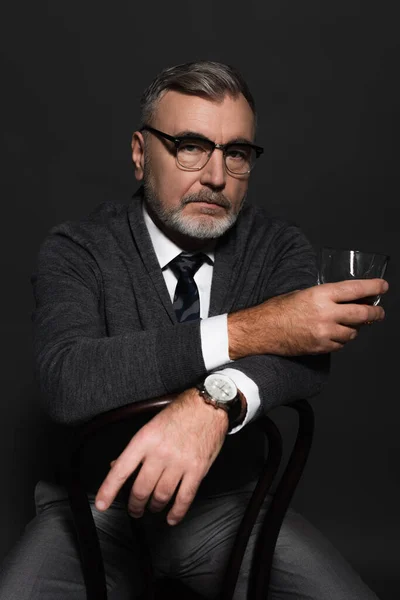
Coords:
193,152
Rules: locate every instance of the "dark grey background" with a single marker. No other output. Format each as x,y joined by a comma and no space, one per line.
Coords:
325,79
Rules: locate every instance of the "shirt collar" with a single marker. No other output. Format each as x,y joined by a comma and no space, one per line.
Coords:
165,249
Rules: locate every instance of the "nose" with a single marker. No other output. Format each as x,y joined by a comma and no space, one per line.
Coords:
214,173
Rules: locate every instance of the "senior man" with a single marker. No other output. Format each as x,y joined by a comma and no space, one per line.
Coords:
188,291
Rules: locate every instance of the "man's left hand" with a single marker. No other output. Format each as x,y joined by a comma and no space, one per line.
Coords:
175,449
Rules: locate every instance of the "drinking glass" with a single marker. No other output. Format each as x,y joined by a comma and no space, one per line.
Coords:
337,264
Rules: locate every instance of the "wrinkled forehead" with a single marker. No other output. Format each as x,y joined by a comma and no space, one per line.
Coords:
220,120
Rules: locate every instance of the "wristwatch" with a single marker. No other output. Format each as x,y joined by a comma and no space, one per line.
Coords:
220,391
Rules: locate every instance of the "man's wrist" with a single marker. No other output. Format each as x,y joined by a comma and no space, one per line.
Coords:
218,414
192,399
238,335
221,392
251,332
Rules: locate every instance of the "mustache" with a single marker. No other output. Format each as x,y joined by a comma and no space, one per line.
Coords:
208,198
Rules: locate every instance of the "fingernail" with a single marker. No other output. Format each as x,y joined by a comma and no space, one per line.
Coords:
100,505
385,286
171,521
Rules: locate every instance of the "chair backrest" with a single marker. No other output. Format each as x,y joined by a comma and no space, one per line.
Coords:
88,542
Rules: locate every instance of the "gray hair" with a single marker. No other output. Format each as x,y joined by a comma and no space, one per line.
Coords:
207,79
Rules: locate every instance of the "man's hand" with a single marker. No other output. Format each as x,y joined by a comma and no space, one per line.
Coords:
176,448
316,320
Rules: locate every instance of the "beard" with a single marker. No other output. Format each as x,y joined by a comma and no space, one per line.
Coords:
203,227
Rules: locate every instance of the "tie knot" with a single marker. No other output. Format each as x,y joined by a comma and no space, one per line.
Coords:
187,263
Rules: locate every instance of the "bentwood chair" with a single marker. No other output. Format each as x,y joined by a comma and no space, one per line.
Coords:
88,543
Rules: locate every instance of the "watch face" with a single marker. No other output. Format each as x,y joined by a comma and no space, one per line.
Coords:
220,387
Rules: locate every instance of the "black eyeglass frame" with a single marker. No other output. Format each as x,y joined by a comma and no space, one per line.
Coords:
178,140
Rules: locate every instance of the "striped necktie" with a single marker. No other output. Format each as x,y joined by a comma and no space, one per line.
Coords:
186,299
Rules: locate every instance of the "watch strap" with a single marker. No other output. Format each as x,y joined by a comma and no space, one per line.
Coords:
236,409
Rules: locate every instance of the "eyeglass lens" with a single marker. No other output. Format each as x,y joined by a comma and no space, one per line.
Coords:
194,154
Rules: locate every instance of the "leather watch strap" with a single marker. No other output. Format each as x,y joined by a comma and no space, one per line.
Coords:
235,411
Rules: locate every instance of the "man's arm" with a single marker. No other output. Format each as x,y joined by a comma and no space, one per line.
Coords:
259,341
175,449
316,320
284,344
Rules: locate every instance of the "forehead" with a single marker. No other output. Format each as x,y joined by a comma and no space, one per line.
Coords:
220,121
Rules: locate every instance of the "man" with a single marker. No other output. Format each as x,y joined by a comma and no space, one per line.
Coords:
191,293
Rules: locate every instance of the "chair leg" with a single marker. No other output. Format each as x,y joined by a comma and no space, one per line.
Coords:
88,542
280,502
256,501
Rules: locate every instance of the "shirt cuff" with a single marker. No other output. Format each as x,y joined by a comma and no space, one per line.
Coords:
214,341
251,392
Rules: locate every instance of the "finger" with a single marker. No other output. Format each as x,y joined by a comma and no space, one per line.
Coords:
165,489
143,487
355,289
184,498
122,468
343,335
357,314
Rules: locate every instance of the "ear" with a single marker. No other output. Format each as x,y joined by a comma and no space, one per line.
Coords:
138,150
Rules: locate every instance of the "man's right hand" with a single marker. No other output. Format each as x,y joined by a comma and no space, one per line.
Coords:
316,320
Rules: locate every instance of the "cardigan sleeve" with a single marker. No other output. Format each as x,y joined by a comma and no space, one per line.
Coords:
83,370
281,379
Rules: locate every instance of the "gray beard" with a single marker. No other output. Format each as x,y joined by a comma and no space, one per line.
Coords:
192,226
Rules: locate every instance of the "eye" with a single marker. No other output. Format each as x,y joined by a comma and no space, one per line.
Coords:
191,147
238,153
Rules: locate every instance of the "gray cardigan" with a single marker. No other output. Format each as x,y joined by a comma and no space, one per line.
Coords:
105,333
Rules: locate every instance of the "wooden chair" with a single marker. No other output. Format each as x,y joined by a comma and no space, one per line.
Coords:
89,547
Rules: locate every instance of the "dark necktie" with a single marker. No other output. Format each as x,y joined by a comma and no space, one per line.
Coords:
186,299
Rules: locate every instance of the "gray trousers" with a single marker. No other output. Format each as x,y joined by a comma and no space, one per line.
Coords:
44,564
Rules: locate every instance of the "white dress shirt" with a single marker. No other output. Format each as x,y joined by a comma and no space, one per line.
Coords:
213,330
